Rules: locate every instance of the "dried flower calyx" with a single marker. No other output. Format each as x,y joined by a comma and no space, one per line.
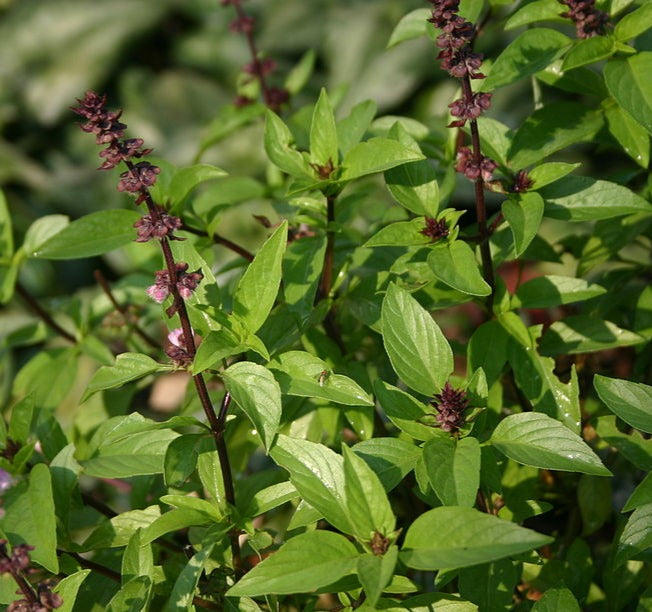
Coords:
450,405
588,20
157,226
467,165
186,283
177,350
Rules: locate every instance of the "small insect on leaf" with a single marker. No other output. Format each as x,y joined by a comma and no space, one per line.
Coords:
323,377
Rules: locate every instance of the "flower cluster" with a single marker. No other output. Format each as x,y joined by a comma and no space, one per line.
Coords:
522,182
467,165
588,20
17,563
469,110
435,230
177,350
108,131
186,283
157,226
450,405
274,97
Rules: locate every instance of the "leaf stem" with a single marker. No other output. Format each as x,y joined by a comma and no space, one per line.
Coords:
480,206
43,314
326,281
103,283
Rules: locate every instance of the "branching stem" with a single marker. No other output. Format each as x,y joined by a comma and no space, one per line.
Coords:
43,314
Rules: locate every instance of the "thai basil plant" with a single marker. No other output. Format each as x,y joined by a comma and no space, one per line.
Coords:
426,385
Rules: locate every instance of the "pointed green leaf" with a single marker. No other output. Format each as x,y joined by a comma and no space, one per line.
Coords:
535,439
214,348
491,585
551,290
297,78
524,215
185,585
279,148
68,588
138,559
629,83
132,597
634,23
487,349
539,10
452,536
547,173
585,334
375,155
636,536
91,235
419,352
301,374
44,228
254,389
400,233
630,401
128,367
6,235
366,498
258,287
302,266
641,496
117,532
390,458
589,51
351,129
412,25
580,198
627,131
552,128
303,564
323,133
375,573
186,179
453,468
456,266
532,51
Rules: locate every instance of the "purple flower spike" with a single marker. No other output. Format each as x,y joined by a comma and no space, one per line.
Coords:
450,405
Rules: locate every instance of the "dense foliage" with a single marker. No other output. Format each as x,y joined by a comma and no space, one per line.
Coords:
360,328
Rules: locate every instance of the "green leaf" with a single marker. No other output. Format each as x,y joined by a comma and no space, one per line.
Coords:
352,128
269,498
214,348
93,234
375,155
301,374
594,497
42,230
636,537
557,599
186,584
128,367
48,376
6,235
297,78
366,499
628,82
630,401
305,563
181,458
544,174
390,458
641,496
318,474
589,51
134,454
552,128
256,292
585,334
453,468
580,198
376,572
524,215
417,349
175,520
455,265
627,131
404,411
302,266
68,588
539,10
531,52
138,559
400,233
632,446
634,23
280,150
117,531
487,349
491,585
132,597
413,25
451,537
30,518
551,290
536,439
323,133
228,120
257,393
186,179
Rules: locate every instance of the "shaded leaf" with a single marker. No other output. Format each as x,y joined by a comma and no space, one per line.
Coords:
630,401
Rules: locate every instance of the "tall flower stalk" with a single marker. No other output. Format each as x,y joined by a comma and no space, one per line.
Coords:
461,62
174,280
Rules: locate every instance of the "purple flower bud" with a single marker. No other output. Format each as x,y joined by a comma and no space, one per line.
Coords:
450,405
435,230
466,165
275,97
177,350
149,228
141,176
243,24
588,20
187,282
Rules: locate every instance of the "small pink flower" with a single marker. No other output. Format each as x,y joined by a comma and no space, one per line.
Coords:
175,337
158,292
